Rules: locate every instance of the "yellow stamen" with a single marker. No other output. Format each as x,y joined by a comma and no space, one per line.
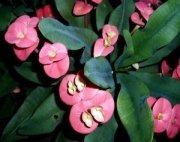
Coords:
21,35
111,34
87,119
80,83
97,113
52,53
160,116
71,88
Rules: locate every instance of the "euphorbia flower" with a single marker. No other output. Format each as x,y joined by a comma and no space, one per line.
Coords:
55,59
110,34
97,1
162,114
165,68
24,53
136,19
144,9
75,88
176,73
85,115
39,13
81,8
47,11
29,22
21,35
151,100
174,124
100,48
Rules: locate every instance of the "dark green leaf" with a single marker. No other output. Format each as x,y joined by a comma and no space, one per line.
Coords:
31,103
63,138
48,115
7,83
102,12
120,15
104,133
99,71
74,38
6,16
65,8
161,86
133,110
160,30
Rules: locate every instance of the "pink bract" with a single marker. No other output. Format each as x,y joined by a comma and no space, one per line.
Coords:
162,113
100,49
176,73
165,67
110,33
97,1
39,13
68,98
52,52
174,124
136,19
47,11
24,53
103,100
29,22
151,100
144,9
81,8
76,120
21,35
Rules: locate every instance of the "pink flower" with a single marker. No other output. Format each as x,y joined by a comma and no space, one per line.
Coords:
86,115
110,34
97,1
81,8
176,73
151,100
24,53
100,48
144,9
21,35
162,114
75,88
55,59
174,124
136,19
151,2
39,13
47,11
165,67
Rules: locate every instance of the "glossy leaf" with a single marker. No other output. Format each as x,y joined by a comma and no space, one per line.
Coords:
160,30
27,72
7,83
102,12
65,10
74,38
120,16
133,110
44,120
6,16
99,71
161,53
30,104
161,86
104,133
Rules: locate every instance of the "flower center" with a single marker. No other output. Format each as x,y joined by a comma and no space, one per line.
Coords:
87,119
111,34
97,113
80,84
21,35
107,42
71,88
52,53
160,116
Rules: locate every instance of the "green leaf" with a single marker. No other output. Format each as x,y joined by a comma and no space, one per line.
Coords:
48,115
74,38
133,110
31,103
26,71
6,16
102,12
161,86
104,133
7,83
120,15
161,53
62,137
99,71
65,8
128,50
160,30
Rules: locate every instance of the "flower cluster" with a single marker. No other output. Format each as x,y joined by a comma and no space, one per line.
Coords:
165,117
90,105
23,35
